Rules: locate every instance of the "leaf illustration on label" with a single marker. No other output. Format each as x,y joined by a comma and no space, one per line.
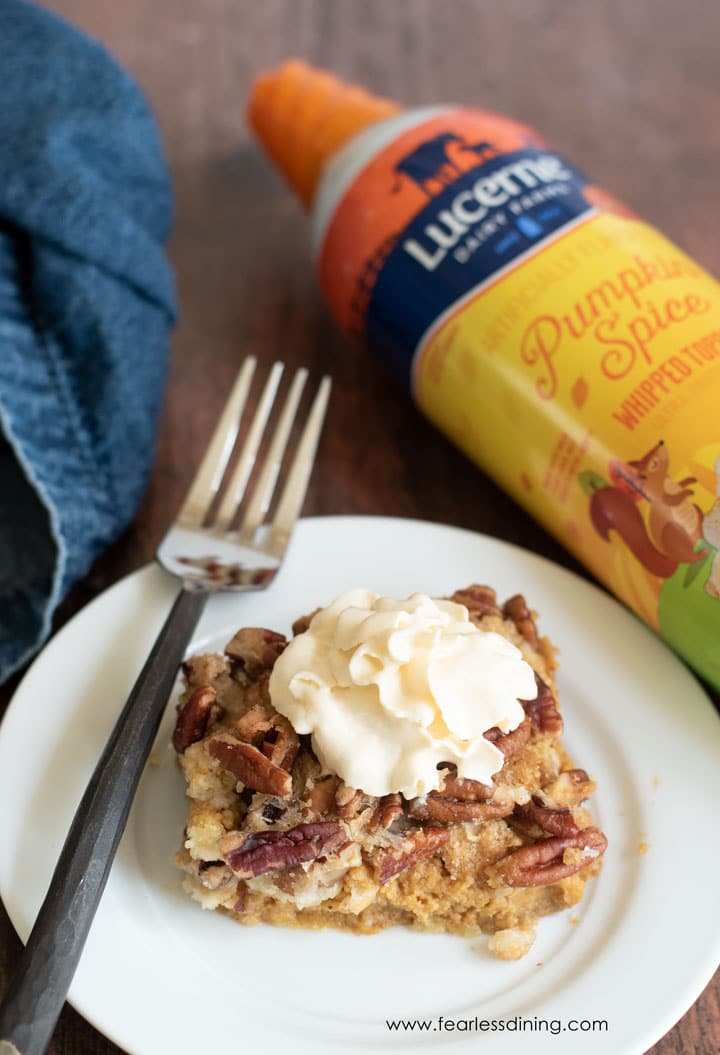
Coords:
693,570
590,482
579,392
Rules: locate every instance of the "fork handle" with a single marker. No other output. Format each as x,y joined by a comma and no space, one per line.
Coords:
38,988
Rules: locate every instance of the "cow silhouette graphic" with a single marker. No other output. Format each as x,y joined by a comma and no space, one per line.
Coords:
431,161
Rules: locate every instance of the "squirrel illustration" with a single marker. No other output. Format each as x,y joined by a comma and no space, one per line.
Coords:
675,521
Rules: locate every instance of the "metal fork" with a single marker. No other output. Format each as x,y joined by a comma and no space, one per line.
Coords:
206,556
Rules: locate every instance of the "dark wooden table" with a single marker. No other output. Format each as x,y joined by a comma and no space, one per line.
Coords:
629,91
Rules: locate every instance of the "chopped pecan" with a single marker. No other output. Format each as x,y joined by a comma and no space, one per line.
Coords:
479,600
261,852
256,721
516,609
303,622
193,718
271,733
544,863
281,745
250,766
543,710
215,874
329,797
414,846
203,670
255,649
510,743
344,795
348,801
570,788
388,809
552,821
322,796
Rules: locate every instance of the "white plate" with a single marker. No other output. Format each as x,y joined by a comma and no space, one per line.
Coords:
161,977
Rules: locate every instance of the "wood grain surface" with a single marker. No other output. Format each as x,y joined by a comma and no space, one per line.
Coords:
628,91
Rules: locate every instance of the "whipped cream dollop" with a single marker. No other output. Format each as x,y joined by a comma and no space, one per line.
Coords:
390,688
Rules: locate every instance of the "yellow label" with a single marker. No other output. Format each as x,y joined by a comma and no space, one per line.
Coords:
586,381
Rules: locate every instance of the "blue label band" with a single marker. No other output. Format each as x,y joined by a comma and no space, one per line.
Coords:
474,228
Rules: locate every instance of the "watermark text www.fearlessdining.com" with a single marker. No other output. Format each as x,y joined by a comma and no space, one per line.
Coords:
517,1024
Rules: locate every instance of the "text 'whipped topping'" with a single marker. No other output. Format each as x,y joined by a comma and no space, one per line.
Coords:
389,689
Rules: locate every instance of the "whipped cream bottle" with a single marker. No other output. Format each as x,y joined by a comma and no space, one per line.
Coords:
566,346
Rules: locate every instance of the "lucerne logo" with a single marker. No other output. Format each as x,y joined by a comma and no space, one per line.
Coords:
476,202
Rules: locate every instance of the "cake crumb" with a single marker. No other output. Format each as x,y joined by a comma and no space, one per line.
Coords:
574,920
643,847
655,782
511,944
154,758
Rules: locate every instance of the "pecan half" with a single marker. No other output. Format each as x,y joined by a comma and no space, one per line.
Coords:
543,863
414,846
459,799
262,852
445,810
193,718
255,649
465,789
570,788
250,766
510,743
479,600
549,820
516,609
543,710
388,808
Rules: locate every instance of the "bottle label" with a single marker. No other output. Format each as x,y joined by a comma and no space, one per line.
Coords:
570,349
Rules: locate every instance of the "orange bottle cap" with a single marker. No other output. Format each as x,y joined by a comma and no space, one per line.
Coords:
302,116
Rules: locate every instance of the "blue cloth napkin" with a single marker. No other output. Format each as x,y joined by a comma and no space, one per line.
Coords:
86,307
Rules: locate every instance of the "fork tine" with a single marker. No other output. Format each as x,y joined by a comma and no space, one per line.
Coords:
293,493
236,488
207,479
265,486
